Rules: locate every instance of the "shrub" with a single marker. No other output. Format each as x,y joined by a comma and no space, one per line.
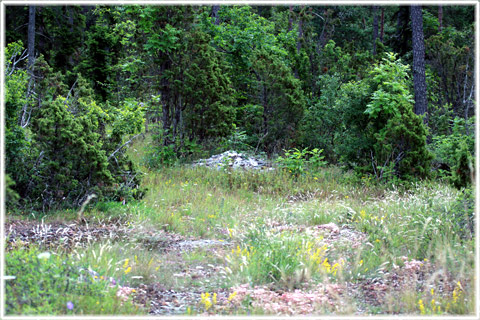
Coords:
453,152
389,140
297,161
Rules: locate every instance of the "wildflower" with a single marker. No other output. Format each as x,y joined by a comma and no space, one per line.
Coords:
128,270
361,262
232,295
377,240
126,263
214,299
455,295
70,305
421,306
44,255
206,300
432,291
363,213
346,197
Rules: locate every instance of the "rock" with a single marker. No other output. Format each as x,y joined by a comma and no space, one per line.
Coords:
192,244
332,227
232,159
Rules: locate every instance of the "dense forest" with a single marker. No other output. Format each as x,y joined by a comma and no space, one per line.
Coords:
240,160
385,91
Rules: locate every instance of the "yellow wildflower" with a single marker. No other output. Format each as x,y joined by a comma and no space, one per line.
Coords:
231,296
421,306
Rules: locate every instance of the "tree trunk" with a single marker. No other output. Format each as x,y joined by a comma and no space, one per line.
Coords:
27,110
440,18
290,18
419,82
300,30
375,29
215,9
382,24
31,37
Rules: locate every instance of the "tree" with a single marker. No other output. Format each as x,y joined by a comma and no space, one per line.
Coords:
375,29
31,37
381,133
382,24
440,18
418,44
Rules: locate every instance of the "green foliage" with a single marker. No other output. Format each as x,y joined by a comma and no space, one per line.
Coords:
208,112
462,176
463,214
451,57
161,156
44,283
352,143
261,74
128,118
320,122
237,141
17,140
64,27
61,156
11,196
286,259
73,163
395,137
282,98
101,53
453,151
297,162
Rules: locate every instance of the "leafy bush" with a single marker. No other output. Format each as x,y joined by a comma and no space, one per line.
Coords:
389,140
71,146
45,283
161,156
297,161
453,152
321,122
237,141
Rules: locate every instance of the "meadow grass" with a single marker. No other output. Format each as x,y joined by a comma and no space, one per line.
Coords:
266,218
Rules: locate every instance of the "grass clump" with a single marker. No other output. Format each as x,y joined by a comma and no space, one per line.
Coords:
287,260
51,284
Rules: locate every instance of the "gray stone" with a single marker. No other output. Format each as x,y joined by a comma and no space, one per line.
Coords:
234,160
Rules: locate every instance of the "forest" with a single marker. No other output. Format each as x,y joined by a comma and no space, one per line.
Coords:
356,124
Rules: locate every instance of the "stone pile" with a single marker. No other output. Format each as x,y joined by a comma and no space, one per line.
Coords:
232,159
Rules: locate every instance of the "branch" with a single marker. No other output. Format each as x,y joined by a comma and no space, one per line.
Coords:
70,91
373,164
123,145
